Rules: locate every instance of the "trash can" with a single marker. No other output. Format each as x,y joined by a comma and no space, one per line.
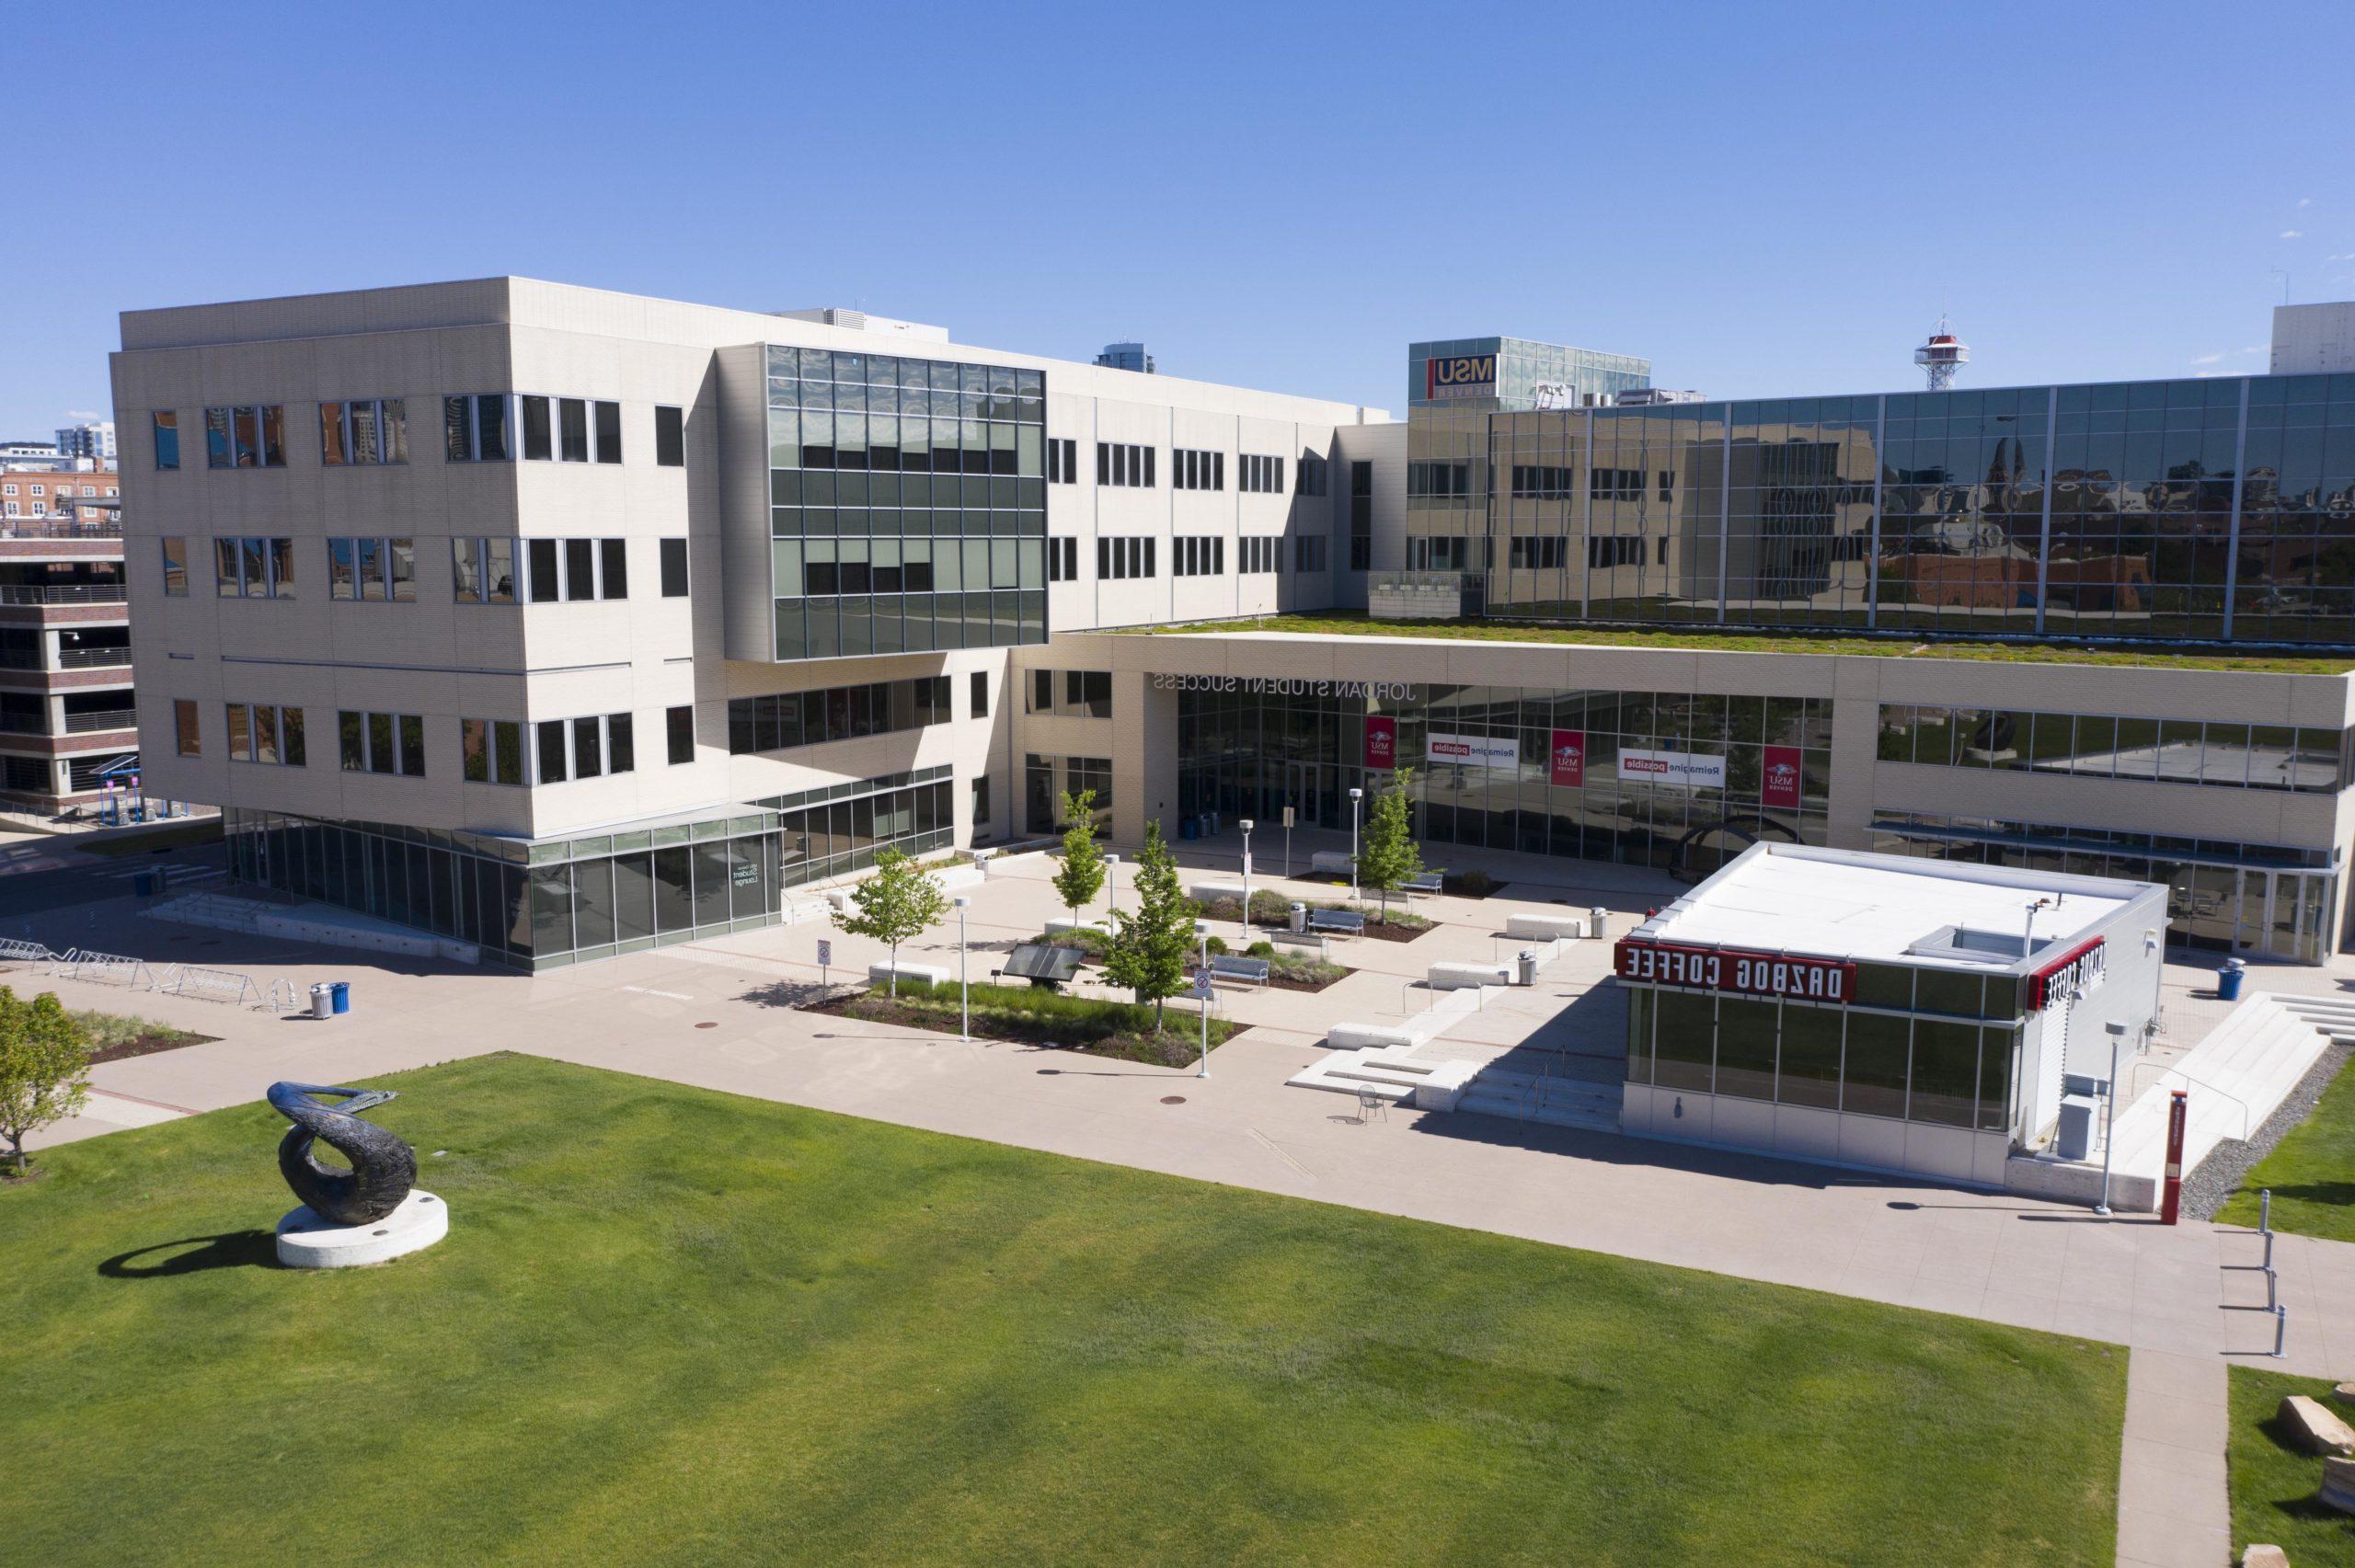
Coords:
1297,916
341,991
1525,969
1596,919
2073,1138
2229,978
144,884
322,1001
1189,829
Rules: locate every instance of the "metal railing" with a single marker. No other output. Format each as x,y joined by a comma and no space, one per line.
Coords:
91,657
106,719
58,528
72,593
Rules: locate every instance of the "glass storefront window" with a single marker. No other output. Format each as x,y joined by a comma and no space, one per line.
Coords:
1874,1082
1746,1032
1811,1061
1683,1040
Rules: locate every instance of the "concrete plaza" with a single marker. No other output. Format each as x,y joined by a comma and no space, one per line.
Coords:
721,1014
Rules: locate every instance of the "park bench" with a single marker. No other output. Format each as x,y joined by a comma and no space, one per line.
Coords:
1429,882
1320,945
880,973
1341,923
1237,966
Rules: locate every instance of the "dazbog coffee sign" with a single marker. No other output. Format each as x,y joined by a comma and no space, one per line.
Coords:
1471,751
1778,778
2078,972
1688,770
1728,969
1568,758
1381,743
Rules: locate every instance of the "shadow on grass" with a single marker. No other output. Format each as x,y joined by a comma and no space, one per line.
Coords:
2311,1506
2337,1193
231,1248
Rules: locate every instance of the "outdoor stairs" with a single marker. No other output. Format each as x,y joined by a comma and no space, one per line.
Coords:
2231,1081
1546,1097
1392,1074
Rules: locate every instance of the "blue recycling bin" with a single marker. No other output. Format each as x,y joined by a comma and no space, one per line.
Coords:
2229,978
1187,828
144,884
341,989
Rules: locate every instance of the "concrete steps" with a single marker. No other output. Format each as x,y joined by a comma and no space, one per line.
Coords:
1544,1097
1433,1083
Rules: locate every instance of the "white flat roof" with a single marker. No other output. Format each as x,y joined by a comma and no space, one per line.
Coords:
1821,903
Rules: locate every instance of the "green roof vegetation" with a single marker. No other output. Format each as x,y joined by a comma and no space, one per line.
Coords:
672,1325
1344,623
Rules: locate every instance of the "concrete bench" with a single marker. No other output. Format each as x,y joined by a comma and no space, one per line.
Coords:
1211,892
1335,861
1341,923
1458,976
931,974
1372,1037
1237,966
1546,928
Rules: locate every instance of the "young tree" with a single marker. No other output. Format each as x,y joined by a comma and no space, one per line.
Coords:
901,900
44,1067
1081,877
1152,941
1388,857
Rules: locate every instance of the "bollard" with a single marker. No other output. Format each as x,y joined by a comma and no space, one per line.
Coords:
2265,1222
2272,1288
2281,1331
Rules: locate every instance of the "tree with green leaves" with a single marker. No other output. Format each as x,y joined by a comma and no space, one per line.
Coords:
1388,857
44,1067
1081,876
1151,940
901,900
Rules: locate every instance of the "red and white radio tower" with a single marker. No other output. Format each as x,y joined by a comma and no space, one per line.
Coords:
1940,355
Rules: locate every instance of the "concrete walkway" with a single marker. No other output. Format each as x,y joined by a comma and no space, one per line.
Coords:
718,1015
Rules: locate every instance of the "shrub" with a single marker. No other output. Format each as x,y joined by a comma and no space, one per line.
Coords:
1217,945
1261,949
1268,907
1469,884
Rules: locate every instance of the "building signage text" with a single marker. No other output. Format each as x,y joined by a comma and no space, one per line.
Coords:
2078,972
1778,779
1471,751
1460,375
1569,758
1278,686
1686,770
1721,969
1380,743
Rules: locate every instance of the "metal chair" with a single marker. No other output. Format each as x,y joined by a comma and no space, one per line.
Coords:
1370,1099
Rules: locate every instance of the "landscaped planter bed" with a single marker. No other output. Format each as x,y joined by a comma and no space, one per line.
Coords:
1034,1016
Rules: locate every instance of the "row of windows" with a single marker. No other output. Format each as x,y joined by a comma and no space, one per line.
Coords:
1075,694
1538,553
1260,476
1063,559
2228,753
1062,461
384,570
373,432
1260,552
1124,465
492,749
1198,555
784,720
1191,469
1125,555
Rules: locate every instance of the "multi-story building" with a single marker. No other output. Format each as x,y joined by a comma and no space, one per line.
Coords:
1486,374
93,439
1126,356
66,722
567,622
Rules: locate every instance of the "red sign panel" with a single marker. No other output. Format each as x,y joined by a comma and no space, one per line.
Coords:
1569,757
1381,743
1724,968
2070,976
1780,778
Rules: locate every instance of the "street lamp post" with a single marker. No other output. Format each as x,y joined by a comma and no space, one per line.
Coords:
1202,993
2109,1118
964,988
1246,824
1357,798
1111,886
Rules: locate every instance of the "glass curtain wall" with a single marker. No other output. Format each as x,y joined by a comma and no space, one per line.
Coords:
2202,510
908,504
1250,754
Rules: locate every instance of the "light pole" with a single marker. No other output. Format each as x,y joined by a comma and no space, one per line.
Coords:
2117,1036
1246,825
1357,798
1202,993
1111,887
964,989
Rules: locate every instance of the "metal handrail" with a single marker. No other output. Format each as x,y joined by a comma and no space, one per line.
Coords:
106,719
92,658
75,593
58,528
2236,1099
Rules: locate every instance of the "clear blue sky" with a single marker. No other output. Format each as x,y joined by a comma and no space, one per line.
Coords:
1764,198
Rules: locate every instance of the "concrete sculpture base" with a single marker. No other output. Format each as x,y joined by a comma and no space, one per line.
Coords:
307,1240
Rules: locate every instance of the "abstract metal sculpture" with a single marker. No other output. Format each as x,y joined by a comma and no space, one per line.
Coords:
383,1167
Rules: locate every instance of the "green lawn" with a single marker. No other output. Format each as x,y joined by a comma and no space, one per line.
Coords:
2273,1485
2312,1172
676,1325
1900,644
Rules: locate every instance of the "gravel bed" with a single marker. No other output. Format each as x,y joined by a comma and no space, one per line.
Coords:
2220,1175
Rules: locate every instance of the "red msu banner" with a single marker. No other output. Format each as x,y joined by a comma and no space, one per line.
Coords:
1381,743
1569,757
1728,969
1780,778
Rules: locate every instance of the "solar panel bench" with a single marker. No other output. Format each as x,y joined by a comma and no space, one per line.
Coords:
1044,966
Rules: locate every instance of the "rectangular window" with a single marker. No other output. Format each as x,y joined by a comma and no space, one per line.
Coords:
549,744
474,749
609,432
621,750
613,563
245,435
587,754
531,423
1062,560
680,724
669,436
412,740
241,733
184,729
981,799
176,565
167,439
363,432
1360,517
254,567
675,568
1062,461
546,587
258,732
475,427
580,568
381,743
1123,465
572,429
1312,475
980,693
343,576
1308,553
1195,470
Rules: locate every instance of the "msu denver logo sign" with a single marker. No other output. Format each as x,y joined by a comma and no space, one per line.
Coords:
1462,375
